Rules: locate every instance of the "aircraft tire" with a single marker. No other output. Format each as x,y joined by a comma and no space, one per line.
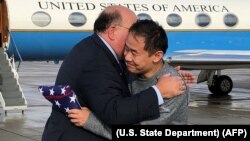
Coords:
221,85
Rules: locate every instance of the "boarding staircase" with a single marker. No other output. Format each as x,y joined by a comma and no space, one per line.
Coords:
11,95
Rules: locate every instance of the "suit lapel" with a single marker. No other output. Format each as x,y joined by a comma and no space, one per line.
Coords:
122,72
111,57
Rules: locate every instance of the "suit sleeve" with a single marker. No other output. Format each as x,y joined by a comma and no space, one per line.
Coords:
106,94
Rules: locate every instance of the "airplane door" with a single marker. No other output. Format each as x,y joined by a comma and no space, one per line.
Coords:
4,33
1,24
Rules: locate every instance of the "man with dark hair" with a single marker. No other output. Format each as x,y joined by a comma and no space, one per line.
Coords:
145,47
144,50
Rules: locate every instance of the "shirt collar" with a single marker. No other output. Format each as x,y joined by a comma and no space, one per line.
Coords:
110,48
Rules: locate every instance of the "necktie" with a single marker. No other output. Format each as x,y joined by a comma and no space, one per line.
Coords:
124,70
123,65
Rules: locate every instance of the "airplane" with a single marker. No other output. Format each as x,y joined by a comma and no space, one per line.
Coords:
206,35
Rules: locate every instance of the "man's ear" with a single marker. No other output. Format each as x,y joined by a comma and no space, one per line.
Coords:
111,33
158,56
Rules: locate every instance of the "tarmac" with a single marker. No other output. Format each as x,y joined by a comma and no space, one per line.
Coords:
204,108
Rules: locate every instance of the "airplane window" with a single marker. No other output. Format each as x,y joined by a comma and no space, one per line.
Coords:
143,16
41,18
203,20
77,19
230,20
174,20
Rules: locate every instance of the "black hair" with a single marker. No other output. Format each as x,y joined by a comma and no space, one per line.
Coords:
155,36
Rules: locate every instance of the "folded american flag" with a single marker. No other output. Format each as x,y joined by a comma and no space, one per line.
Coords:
61,97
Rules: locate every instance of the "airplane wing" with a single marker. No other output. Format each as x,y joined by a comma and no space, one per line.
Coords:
210,59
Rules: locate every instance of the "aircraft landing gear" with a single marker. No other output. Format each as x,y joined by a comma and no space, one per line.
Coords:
222,85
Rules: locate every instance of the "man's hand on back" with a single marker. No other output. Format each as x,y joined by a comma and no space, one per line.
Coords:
170,86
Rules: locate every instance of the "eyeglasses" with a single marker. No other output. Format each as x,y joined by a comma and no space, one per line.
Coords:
122,26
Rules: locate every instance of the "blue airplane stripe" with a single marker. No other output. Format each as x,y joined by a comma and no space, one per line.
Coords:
208,41
55,45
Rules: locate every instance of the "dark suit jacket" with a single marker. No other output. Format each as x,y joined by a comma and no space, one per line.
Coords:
99,82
